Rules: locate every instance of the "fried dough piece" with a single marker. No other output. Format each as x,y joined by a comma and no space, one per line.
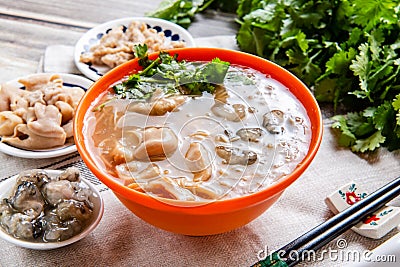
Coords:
24,138
8,121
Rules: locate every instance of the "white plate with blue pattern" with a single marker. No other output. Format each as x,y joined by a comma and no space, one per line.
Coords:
172,32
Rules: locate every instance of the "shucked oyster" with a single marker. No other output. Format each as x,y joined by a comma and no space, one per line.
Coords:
234,155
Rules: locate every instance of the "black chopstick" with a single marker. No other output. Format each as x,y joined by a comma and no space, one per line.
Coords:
332,228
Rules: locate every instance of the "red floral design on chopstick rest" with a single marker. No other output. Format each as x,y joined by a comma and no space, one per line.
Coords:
344,197
380,223
372,219
352,198
376,225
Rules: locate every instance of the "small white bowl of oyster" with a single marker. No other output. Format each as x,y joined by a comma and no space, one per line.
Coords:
48,209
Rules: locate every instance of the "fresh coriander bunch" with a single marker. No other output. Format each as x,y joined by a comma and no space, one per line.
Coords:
347,52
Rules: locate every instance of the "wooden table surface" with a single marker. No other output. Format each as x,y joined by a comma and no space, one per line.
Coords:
28,27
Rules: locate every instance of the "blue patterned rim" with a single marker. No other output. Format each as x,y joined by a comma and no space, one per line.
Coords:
66,85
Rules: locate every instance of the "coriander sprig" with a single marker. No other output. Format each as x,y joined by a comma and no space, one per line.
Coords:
171,75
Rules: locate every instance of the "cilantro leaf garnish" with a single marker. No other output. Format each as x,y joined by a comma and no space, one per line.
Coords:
166,72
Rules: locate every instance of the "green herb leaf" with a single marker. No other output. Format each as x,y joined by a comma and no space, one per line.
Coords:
216,70
340,61
382,115
346,137
369,13
181,12
370,143
396,103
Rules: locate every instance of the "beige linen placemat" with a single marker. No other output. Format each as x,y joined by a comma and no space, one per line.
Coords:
122,239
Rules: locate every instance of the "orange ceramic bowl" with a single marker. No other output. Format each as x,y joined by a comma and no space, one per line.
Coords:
221,215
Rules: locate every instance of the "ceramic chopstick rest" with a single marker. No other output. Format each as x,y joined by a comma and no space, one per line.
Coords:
375,226
344,197
379,223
